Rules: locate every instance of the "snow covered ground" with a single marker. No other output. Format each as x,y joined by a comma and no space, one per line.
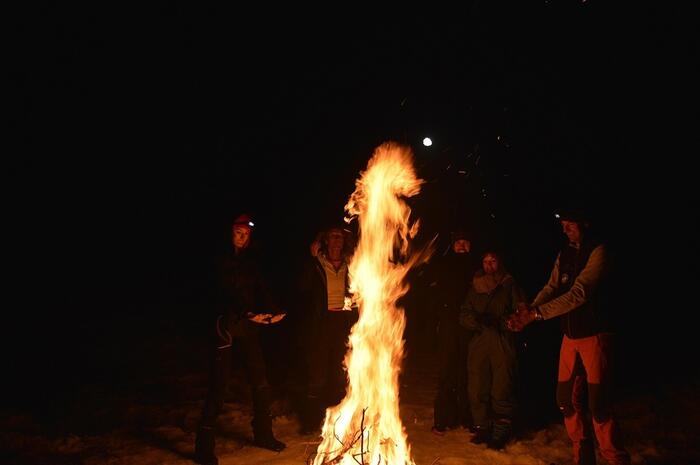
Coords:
146,413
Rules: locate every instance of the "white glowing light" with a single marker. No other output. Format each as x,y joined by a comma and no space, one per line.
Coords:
427,142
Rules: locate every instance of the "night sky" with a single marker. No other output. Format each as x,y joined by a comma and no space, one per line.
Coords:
141,131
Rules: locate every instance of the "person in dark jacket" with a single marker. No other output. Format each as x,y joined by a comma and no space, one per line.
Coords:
492,356
245,305
327,316
578,294
451,278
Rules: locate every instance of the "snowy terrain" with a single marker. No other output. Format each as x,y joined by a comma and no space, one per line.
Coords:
143,409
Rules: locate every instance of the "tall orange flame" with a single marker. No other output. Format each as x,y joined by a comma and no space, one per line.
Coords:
365,427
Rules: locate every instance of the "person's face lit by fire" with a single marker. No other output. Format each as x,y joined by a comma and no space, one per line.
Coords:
335,240
572,230
241,236
490,263
462,246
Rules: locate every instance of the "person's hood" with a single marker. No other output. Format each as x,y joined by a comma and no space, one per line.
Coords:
486,283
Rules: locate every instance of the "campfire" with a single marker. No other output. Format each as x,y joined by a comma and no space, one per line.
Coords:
365,427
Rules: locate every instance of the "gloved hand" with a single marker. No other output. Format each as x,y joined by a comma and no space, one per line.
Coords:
521,318
470,321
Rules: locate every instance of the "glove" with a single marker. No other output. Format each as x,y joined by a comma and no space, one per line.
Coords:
470,321
521,318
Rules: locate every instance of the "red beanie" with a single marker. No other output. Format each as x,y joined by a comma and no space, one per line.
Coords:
243,220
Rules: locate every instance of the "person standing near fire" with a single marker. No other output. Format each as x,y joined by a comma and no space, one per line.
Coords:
578,293
327,317
492,355
450,281
245,304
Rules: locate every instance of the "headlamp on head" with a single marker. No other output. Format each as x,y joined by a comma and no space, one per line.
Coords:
244,220
575,215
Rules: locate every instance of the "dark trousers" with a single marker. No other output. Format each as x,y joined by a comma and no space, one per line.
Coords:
327,379
243,334
451,407
492,365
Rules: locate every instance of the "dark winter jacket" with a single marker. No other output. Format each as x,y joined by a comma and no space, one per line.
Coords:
489,302
578,290
451,278
313,297
242,288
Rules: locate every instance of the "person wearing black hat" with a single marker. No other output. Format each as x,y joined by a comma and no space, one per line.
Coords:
577,293
451,277
245,304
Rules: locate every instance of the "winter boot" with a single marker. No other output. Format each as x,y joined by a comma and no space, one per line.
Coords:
502,430
482,434
262,422
586,453
445,412
204,446
312,415
439,430
263,437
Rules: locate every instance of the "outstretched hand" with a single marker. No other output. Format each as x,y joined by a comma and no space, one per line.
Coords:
521,318
266,318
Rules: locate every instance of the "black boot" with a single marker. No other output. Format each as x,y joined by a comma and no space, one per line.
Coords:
586,453
262,422
501,434
204,446
267,440
482,435
312,415
445,409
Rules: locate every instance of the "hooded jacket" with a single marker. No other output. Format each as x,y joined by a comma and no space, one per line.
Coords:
490,300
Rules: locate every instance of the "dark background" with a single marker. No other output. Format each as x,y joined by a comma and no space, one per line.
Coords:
141,132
